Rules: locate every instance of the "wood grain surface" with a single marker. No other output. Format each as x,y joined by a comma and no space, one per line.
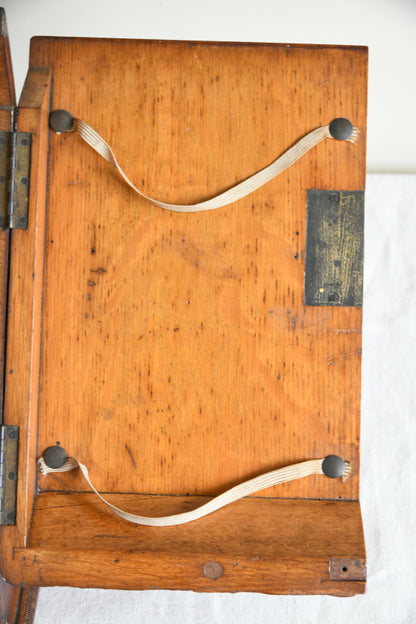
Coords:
7,103
17,605
173,353
178,355
261,544
24,317
9,595
7,91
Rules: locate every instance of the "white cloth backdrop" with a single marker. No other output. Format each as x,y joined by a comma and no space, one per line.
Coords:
388,465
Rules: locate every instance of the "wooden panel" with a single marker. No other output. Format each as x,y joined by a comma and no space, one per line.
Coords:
7,92
9,600
271,529
173,353
9,595
178,356
16,605
7,102
268,545
24,317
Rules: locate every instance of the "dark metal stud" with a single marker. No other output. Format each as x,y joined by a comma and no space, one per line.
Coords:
333,466
55,457
341,129
61,121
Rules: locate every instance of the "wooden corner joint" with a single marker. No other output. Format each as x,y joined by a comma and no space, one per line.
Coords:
347,569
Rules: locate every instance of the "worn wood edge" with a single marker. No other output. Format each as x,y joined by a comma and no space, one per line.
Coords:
7,59
306,46
24,310
6,123
331,526
125,556
36,84
143,570
9,601
363,129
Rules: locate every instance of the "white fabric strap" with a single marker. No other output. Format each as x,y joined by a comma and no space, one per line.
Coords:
90,136
282,475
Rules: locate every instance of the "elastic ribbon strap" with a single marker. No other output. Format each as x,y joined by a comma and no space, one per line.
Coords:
282,475
312,139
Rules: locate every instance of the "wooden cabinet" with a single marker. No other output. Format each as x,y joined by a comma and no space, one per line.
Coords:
175,354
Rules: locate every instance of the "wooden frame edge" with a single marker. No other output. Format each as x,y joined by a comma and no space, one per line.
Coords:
24,311
272,546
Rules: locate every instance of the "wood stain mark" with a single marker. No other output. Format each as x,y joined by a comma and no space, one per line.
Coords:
128,449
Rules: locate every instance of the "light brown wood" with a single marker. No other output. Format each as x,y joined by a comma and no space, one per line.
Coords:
7,103
17,605
7,92
9,601
24,314
173,353
268,545
9,595
192,327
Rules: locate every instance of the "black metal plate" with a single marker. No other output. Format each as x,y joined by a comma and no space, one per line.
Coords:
334,248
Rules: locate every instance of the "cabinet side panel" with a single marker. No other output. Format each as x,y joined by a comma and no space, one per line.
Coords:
178,355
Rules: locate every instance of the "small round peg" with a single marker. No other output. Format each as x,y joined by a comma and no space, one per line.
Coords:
61,121
55,457
333,466
341,129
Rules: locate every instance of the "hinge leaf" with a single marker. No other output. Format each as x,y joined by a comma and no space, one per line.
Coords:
14,179
9,440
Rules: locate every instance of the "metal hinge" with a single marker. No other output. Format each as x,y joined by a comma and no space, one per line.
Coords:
9,439
14,179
